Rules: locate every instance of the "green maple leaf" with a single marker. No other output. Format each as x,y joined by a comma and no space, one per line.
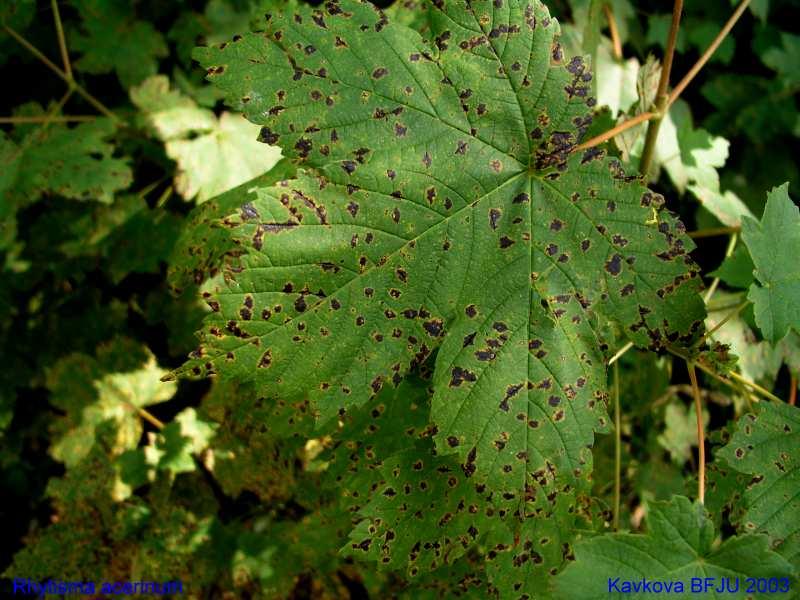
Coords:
774,245
766,445
76,163
112,39
679,545
785,59
432,170
737,269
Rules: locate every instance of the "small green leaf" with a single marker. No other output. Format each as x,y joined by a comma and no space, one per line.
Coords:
112,39
76,163
785,59
678,546
616,81
758,360
774,245
737,269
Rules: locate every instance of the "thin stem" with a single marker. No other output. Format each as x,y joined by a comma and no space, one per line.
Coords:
754,386
71,82
716,327
42,118
166,195
661,94
619,353
62,42
612,28
95,102
728,252
712,373
701,435
792,389
724,307
149,188
708,53
712,232
617,450
36,52
158,424
599,139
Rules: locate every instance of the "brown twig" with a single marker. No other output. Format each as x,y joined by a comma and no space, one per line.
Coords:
701,435
599,139
612,28
792,389
43,118
35,51
661,94
732,384
45,122
708,53
62,41
147,416
71,82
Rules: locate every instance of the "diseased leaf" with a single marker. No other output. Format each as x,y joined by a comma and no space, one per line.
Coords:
431,170
679,545
203,246
250,454
766,445
774,245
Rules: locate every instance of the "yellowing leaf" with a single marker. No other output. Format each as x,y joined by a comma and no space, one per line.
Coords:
213,154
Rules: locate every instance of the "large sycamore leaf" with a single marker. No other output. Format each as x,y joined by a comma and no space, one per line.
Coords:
444,207
767,446
774,245
205,244
678,546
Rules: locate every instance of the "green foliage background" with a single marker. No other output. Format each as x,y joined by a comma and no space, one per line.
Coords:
133,213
